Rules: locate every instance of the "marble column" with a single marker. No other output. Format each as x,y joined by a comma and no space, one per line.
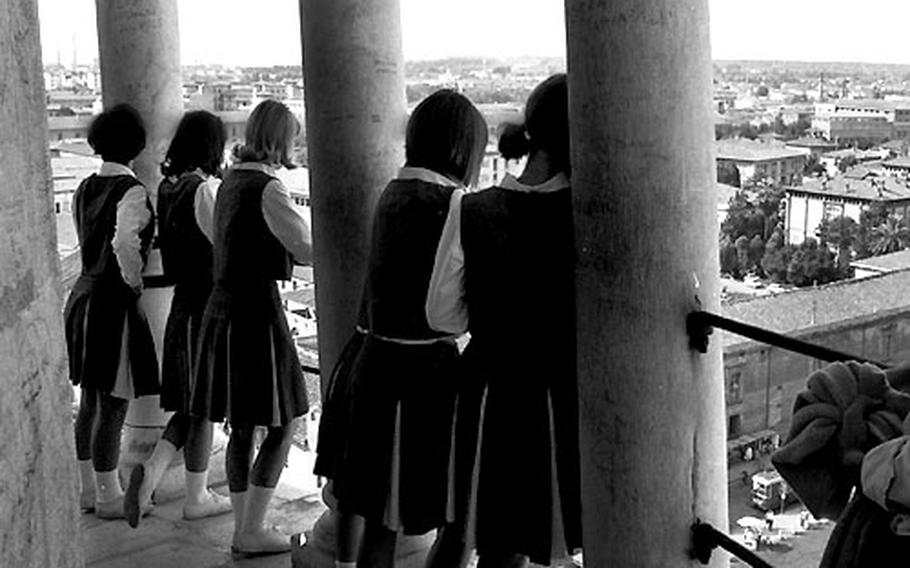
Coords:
138,44
353,73
356,114
39,523
652,410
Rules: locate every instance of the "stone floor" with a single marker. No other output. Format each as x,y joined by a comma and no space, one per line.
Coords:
165,540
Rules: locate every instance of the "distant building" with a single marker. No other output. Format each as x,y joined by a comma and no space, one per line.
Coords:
868,317
843,196
897,166
862,121
832,160
60,128
757,162
815,146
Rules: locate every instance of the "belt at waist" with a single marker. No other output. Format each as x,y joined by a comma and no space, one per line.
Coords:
403,341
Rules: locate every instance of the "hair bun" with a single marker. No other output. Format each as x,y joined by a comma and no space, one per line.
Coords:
513,141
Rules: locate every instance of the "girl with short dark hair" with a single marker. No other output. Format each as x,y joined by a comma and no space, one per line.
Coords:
502,250
186,200
388,453
111,352
247,368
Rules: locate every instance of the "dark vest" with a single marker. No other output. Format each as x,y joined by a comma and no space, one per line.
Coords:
519,272
406,229
95,211
185,251
246,253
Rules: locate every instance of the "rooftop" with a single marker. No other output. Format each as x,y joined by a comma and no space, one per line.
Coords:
744,150
873,104
868,188
798,310
811,142
899,260
901,162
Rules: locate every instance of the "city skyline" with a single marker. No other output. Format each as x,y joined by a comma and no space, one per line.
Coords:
809,30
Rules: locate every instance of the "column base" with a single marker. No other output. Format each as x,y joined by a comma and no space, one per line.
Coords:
319,551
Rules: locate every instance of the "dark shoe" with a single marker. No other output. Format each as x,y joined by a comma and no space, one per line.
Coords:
131,507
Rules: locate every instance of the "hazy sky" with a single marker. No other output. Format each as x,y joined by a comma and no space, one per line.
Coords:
216,31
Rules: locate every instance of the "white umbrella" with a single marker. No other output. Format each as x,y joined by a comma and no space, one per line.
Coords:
750,523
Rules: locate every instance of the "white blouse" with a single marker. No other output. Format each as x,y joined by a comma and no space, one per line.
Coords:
445,306
281,216
132,217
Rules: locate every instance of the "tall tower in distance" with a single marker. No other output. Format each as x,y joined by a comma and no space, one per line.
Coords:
821,86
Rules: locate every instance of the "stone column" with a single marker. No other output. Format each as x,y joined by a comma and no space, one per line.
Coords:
356,113
138,44
353,73
652,410
39,524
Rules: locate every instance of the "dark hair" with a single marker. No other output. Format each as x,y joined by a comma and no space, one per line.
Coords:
447,134
546,125
117,134
269,135
198,143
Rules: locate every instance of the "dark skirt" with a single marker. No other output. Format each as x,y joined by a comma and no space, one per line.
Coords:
247,371
388,383
521,421
181,335
334,422
95,315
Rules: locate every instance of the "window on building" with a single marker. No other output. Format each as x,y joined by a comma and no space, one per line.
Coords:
734,425
734,387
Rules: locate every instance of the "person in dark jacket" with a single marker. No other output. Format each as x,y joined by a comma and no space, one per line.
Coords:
111,352
186,200
501,251
247,369
390,460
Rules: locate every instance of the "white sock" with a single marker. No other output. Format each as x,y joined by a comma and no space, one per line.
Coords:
196,483
156,465
340,564
87,476
107,486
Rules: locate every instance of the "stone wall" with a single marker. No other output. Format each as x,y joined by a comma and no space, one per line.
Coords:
769,378
39,523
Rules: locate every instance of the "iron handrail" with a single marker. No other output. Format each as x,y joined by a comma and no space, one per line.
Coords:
700,323
705,538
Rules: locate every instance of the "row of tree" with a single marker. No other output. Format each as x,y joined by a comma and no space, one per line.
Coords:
750,131
752,241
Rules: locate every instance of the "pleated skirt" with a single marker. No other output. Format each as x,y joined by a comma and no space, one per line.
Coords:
108,340
247,371
518,482
179,353
386,433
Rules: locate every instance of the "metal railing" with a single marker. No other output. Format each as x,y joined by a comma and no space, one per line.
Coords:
699,325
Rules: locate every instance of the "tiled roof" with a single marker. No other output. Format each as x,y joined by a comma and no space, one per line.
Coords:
809,142
743,150
886,262
833,303
901,162
892,189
